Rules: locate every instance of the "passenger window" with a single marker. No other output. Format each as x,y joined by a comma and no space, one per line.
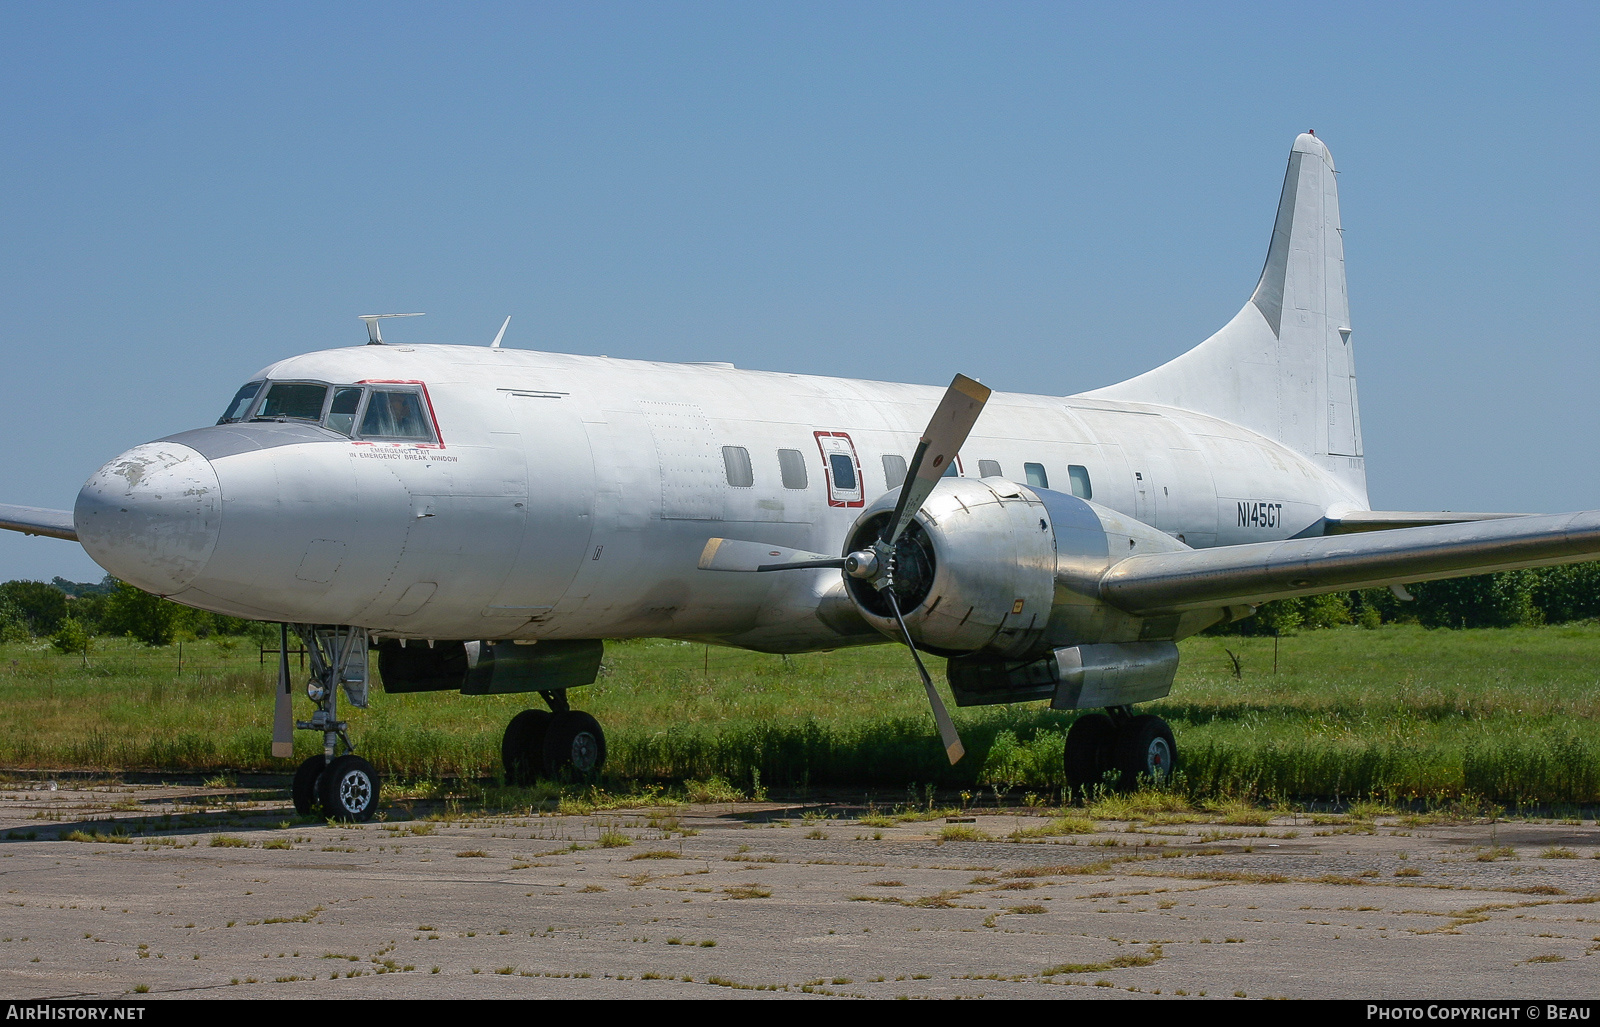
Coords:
1036,477
396,415
1080,481
736,459
342,412
894,470
298,400
241,402
989,469
844,472
792,467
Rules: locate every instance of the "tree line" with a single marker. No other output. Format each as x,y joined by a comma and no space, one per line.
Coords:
1546,595
72,614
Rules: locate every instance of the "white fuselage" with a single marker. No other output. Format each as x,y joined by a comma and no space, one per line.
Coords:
570,496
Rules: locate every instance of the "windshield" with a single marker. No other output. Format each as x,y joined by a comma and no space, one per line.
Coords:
299,400
386,413
241,402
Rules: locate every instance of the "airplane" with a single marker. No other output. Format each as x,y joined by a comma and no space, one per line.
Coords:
485,518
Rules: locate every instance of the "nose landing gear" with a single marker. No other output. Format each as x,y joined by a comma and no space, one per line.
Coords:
561,745
345,787
1119,750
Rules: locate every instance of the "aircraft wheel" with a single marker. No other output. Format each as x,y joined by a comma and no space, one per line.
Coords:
574,747
304,788
349,789
1145,752
1091,746
522,747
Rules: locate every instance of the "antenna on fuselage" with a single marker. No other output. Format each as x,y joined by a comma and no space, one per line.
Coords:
496,343
375,337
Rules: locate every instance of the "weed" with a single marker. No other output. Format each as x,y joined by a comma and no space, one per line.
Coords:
962,833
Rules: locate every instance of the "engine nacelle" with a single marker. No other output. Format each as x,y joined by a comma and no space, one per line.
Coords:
995,569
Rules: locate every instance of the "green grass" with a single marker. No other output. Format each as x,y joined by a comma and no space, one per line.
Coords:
1393,714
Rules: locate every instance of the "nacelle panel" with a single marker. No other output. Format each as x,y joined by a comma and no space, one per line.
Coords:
995,568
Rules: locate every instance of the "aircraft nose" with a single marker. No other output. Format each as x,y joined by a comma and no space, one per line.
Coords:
151,516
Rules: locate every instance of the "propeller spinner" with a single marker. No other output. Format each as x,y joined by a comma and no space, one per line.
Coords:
951,424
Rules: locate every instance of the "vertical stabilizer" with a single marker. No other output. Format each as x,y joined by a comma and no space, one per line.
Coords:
1283,366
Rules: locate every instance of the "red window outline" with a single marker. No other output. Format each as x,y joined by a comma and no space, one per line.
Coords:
437,432
827,469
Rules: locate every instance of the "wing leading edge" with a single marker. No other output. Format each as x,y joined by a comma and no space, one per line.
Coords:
33,520
1263,571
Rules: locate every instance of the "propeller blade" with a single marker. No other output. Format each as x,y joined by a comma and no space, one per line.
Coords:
726,554
283,706
941,716
947,431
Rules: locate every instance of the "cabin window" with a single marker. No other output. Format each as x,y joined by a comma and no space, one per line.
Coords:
989,469
241,402
844,472
1036,477
792,468
300,401
396,415
953,468
894,470
736,459
342,411
1080,481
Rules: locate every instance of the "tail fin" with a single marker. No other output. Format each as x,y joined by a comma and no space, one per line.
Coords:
1283,366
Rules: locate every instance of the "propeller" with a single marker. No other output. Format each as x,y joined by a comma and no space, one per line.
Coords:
958,411
283,707
951,424
726,554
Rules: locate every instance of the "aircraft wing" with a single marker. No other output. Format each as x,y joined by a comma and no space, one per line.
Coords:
1383,520
33,520
1262,571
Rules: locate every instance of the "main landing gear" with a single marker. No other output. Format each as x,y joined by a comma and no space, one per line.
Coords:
342,787
562,744
1118,750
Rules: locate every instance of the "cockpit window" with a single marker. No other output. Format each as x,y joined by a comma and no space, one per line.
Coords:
241,402
301,401
342,411
395,415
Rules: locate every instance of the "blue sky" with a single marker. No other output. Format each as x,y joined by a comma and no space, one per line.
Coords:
1050,197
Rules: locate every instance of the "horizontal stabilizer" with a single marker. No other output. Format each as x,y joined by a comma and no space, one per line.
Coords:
726,554
1383,520
1236,575
33,520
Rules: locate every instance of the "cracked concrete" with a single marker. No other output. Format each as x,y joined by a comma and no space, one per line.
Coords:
213,892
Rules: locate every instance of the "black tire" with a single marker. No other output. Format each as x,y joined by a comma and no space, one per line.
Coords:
304,788
1146,753
1090,753
349,789
574,747
522,746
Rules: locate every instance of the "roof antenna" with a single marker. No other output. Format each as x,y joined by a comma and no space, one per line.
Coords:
496,343
375,337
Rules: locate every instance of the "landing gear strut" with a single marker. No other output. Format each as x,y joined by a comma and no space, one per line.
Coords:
1118,750
344,786
561,745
